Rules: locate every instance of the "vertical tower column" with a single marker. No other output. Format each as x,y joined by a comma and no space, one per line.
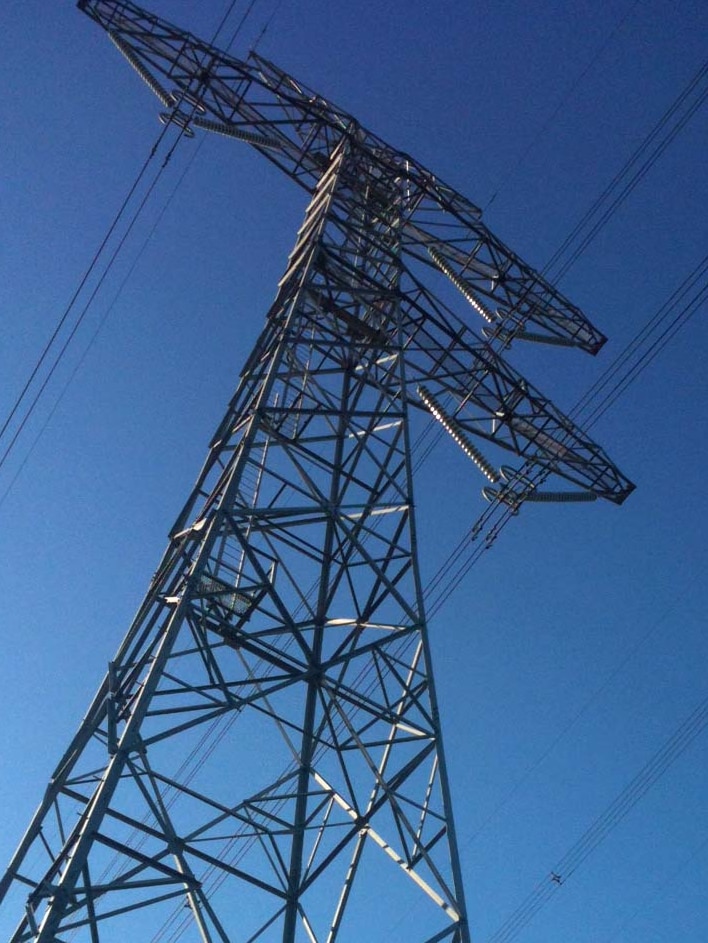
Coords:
265,748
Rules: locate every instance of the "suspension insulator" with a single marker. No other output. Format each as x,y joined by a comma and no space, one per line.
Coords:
513,477
231,131
560,497
458,434
479,306
552,339
462,286
146,76
507,336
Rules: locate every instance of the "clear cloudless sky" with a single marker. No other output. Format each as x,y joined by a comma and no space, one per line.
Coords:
567,593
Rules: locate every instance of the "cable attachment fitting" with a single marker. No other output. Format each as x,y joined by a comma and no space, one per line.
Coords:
179,119
181,96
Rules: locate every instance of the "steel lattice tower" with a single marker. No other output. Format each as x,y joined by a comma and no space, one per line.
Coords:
263,760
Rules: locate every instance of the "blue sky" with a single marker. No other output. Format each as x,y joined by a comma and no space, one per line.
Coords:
573,606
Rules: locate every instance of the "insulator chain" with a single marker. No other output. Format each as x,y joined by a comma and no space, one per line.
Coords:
458,434
463,286
232,131
146,76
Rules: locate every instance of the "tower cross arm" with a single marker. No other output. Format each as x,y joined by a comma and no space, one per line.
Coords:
297,129
476,393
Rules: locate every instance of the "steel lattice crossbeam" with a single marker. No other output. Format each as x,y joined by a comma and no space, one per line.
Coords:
298,129
265,750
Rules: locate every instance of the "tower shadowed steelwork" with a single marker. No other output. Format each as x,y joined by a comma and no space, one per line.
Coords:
263,760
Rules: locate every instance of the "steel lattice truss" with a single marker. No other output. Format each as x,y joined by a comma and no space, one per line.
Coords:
263,760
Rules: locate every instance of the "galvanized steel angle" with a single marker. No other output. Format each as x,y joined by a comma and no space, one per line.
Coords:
406,690
254,560
117,912
384,585
413,668
222,865
144,862
374,648
156,806
206,652
374,806
341,693
388,477
335,744
276,658
208,714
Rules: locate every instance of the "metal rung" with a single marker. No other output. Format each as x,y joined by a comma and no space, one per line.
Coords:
225,595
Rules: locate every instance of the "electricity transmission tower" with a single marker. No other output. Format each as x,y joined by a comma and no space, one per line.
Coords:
263,760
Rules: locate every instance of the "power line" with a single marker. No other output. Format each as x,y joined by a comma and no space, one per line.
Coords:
625,378
696,722
657,149
94,262
99,327
635,343
239,25
446,580
268,23
64,348
656,893
635,790
67,311
562,103
72,333
222,22
680,320
303,766
585,707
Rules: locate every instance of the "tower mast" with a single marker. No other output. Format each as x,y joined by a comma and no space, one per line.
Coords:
264,759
